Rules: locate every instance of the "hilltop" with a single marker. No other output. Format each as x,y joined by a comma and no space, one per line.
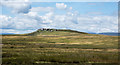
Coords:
45,31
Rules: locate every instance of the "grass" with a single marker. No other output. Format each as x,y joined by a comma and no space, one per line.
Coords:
59,48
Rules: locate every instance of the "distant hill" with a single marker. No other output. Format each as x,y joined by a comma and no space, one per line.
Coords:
6,33
111,34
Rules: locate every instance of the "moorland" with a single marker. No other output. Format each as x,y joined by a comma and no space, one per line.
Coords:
59,47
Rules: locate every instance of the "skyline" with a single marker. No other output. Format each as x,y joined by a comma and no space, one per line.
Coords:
26,17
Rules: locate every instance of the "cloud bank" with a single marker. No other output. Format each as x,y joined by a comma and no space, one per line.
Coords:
30,19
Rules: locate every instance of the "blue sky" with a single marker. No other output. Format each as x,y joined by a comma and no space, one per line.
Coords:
106,8
81,16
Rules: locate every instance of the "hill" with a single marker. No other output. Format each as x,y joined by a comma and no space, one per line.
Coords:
111,34
55,32
59,47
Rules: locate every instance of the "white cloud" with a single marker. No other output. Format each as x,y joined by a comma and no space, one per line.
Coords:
17,6
16,31
106,30
61,6
47,18
4,21
69,21
19,22
42,9
110,23
31,14
24,23
30,19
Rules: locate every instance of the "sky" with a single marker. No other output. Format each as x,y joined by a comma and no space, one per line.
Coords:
25,17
